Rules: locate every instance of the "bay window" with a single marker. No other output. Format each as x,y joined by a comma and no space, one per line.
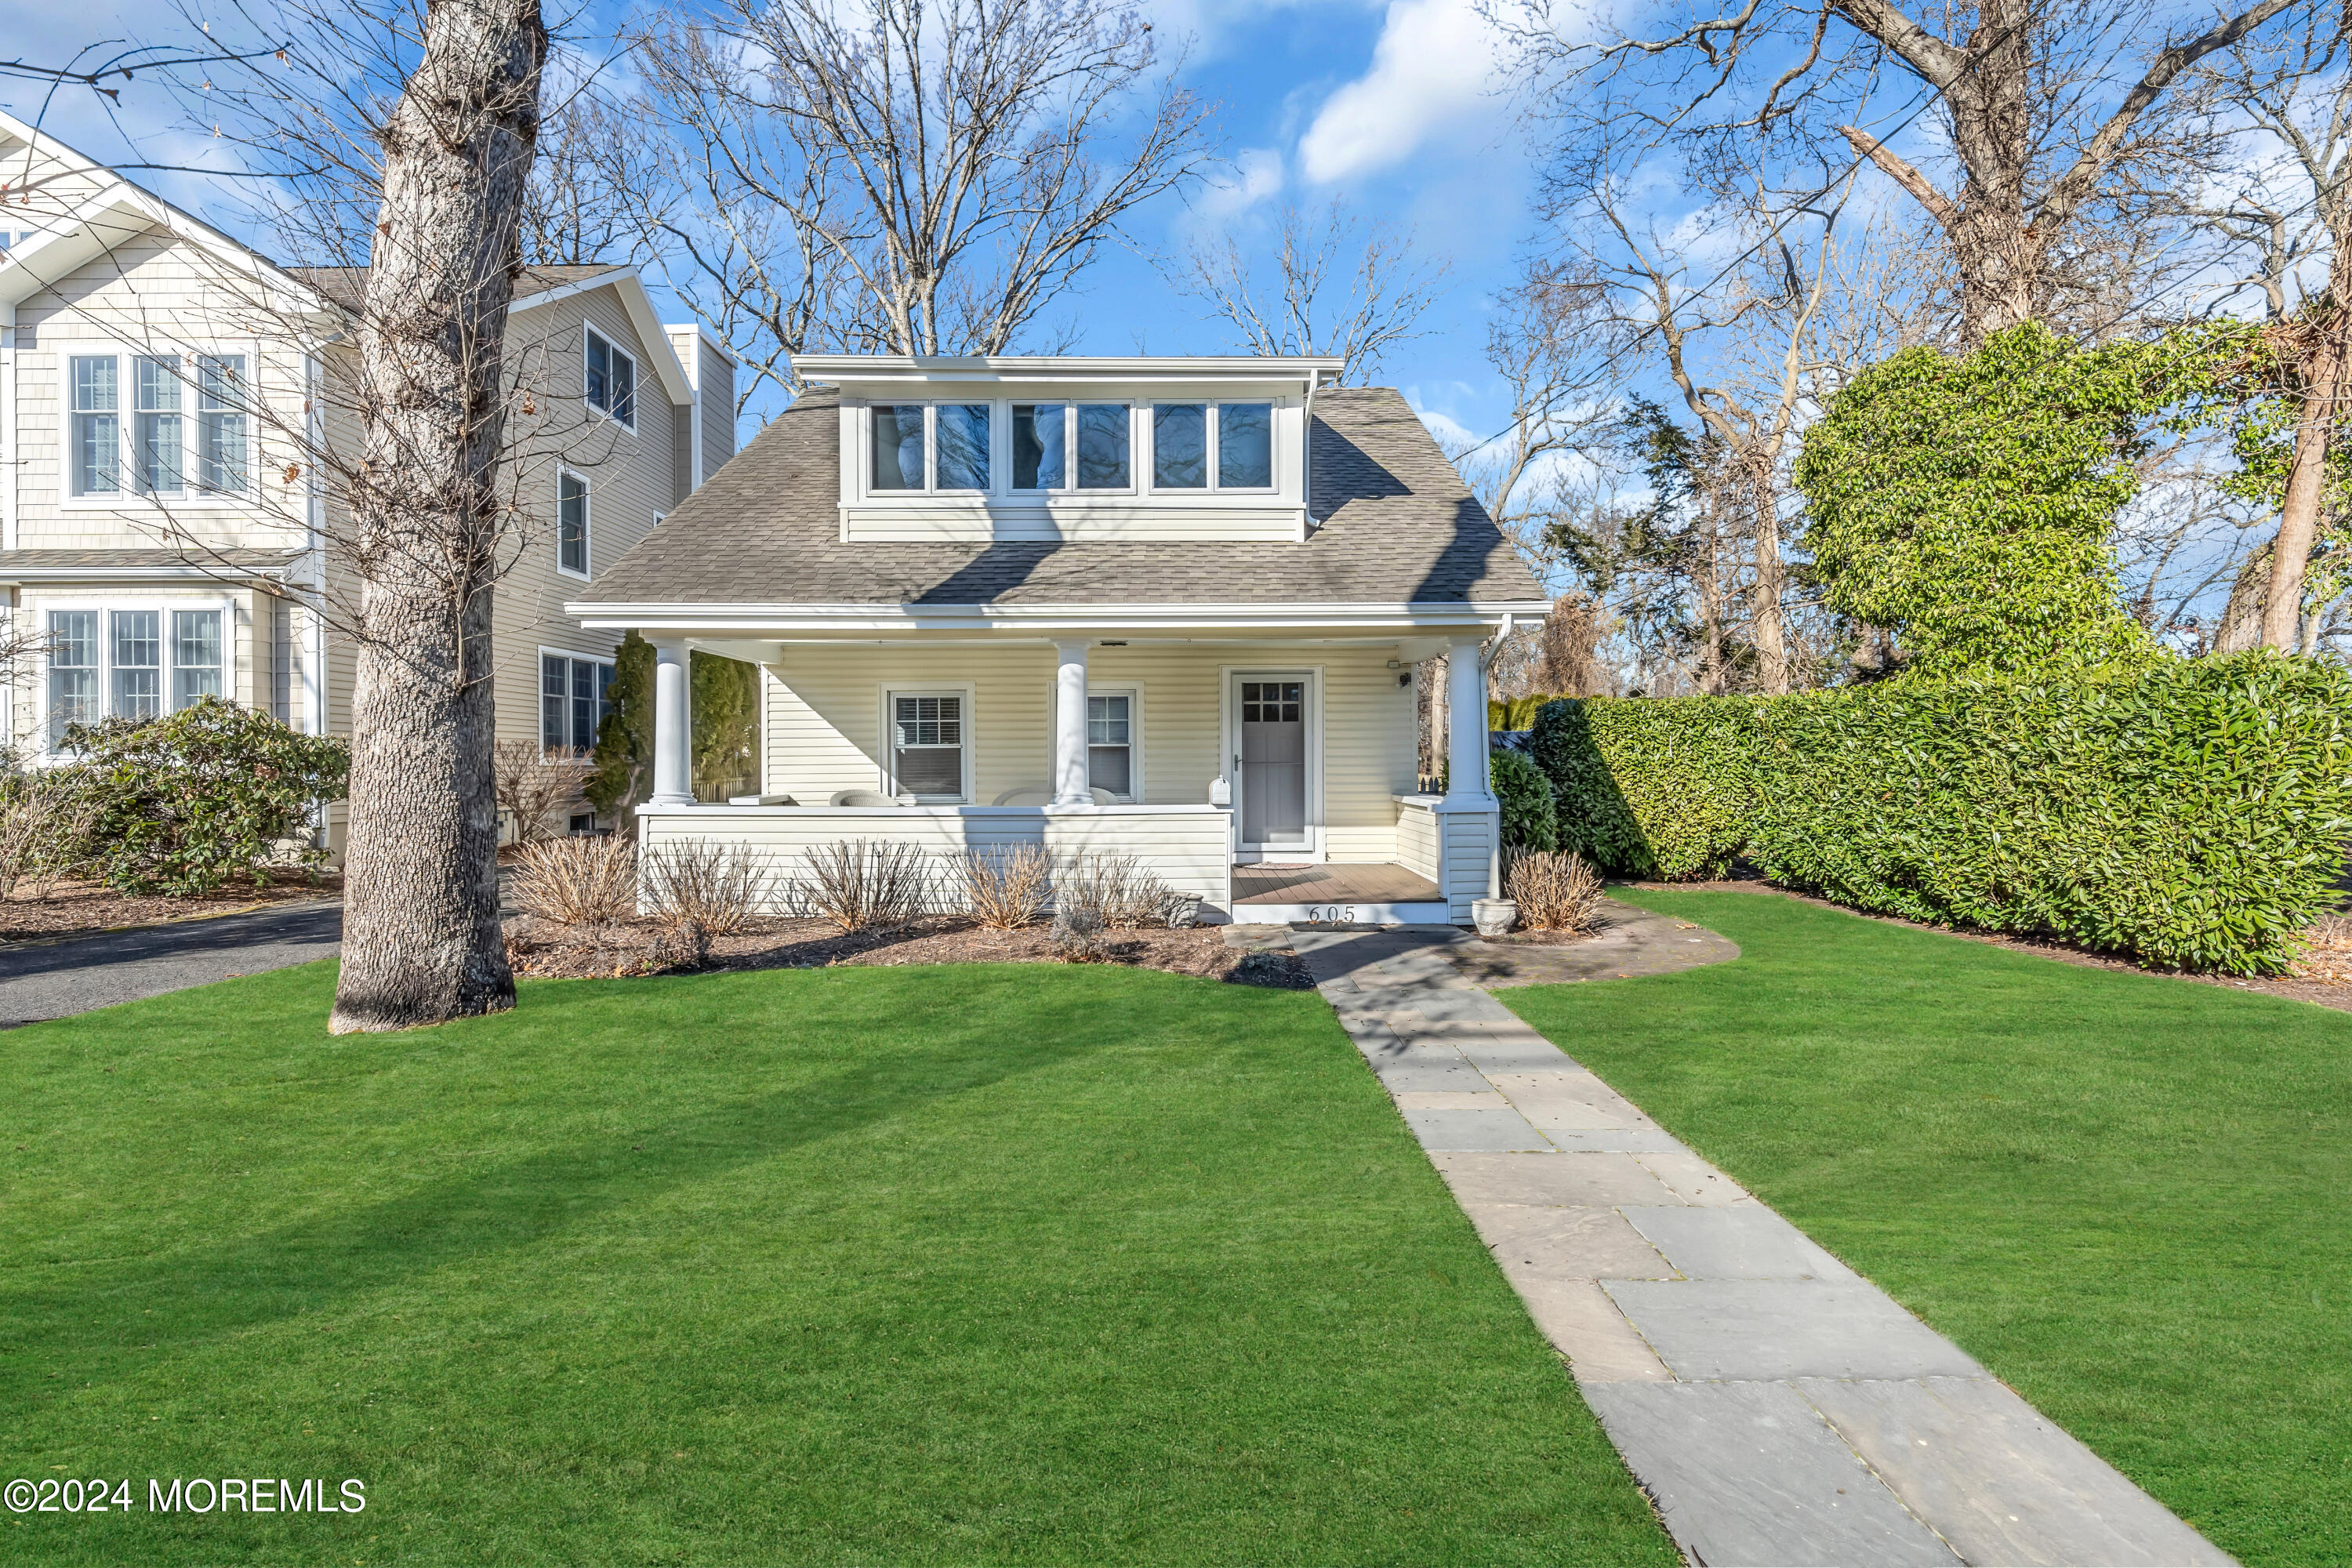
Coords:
115,662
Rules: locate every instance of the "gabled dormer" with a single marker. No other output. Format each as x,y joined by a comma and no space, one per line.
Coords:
1072,450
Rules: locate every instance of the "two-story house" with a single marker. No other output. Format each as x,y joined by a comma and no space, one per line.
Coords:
169,525
1167,608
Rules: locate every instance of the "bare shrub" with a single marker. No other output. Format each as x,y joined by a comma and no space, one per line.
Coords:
703,883
1076,936
44,819
582,882
1116,887
1006,886
531,782
1554,892
860,883
2326,950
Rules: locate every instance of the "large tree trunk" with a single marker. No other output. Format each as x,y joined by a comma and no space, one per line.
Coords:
2306,481
421,936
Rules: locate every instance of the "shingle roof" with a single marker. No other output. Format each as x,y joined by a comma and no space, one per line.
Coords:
228,561
1397,526
343,284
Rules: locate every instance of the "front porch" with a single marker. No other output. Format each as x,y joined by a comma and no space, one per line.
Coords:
1272,777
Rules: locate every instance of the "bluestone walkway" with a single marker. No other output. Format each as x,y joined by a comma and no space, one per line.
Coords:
1780,1409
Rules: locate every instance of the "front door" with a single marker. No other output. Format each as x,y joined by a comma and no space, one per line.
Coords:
1271,767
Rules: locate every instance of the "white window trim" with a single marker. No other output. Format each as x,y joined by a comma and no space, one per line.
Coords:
589,329
40,610
1229,676
1139,431
538,689
1216,437
129,498
1138,791
888,761
587,522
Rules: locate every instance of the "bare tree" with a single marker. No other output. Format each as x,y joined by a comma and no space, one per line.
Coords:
597,180
2288,94
2048,113
907,176
1335,289
422,938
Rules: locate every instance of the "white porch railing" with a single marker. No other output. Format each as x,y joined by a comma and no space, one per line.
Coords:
1189,847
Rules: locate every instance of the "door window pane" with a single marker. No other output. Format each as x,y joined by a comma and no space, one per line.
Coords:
571,523
1179,446
1037,438
963,446
927,750
73,671
195,655
96,427
899,446
156,437
1102,446
1110,751
138,664
221,423
1245,446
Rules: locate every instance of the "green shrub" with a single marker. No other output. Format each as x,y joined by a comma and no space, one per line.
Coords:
184,803
2187,814
1665,794
1525,796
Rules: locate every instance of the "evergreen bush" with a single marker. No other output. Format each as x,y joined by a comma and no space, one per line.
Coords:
1526,798
2183,813
181,804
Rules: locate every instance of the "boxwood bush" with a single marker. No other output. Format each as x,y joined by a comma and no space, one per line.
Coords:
2188,814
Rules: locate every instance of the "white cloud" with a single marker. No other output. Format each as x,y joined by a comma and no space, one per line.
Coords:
1256,174
1433,67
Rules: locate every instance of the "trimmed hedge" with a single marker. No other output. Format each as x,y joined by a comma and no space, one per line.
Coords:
2188,814
1529,819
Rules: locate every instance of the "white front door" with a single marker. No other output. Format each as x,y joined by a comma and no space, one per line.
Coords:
1271,724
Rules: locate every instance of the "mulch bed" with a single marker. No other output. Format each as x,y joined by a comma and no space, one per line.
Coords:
541,951
73,906
2323,977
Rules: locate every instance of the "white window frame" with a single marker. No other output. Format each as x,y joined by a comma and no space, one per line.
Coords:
1133,692
888,735
930,488
1139,430
587,522
539,689
129,494
1215,437
44,606
588,331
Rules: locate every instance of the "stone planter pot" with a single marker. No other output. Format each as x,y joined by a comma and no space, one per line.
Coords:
1183,910
1494,917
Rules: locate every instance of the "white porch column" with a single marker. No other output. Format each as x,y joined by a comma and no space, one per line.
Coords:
1465,725
1070,786
673,724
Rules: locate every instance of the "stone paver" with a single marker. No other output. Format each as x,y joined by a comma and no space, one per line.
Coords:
1780,1409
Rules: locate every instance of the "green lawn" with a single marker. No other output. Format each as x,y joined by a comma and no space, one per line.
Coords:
1012,1263
2125,1195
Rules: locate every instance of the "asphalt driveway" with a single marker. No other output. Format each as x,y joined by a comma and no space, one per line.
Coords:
58,978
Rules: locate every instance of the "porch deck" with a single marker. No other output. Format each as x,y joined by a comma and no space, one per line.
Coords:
1331,884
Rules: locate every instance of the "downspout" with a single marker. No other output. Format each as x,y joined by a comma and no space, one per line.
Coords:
1307,462
13,480
1495,850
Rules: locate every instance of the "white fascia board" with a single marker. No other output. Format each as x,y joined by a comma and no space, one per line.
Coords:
651,337
1036,618
848,370
287,573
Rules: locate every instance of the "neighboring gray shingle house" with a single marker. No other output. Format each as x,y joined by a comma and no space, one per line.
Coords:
1159,607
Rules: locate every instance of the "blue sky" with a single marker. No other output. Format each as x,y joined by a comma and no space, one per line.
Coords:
1390,106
